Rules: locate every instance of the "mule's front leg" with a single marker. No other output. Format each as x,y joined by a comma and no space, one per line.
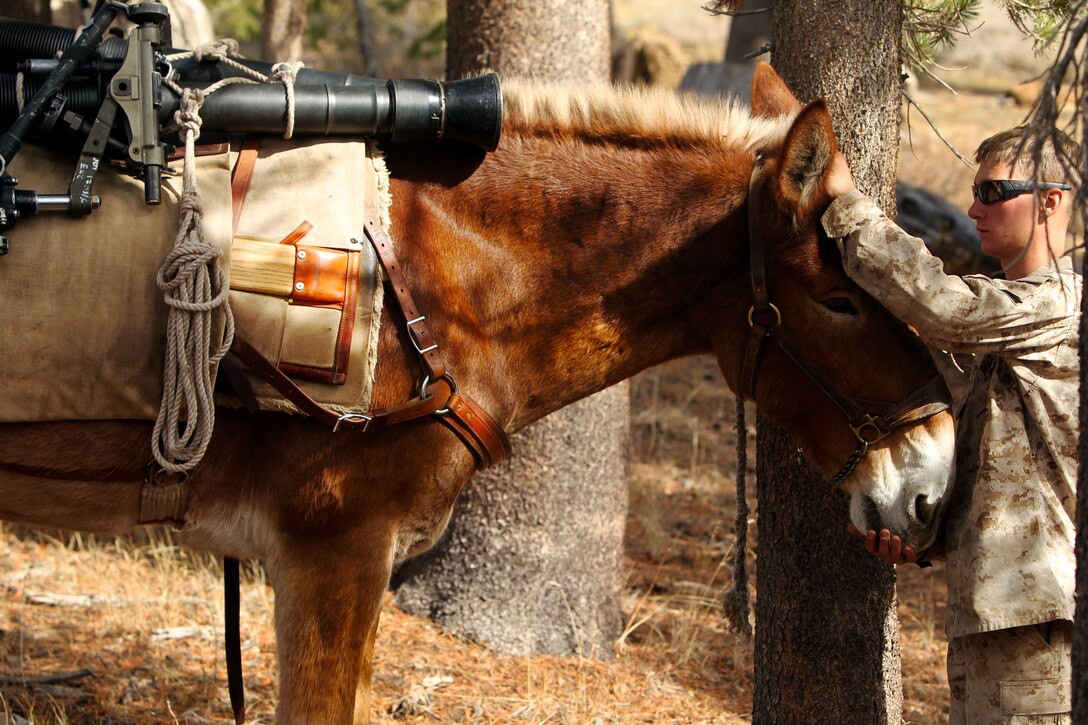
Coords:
328,599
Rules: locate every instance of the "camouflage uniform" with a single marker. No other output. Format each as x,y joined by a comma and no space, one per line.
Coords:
1009,529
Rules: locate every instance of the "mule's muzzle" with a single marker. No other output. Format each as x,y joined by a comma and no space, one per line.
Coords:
928,518
924,518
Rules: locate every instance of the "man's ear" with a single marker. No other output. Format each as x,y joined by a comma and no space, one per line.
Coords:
810,145
771,97
1053,201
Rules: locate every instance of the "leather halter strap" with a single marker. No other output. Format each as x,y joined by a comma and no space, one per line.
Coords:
869,420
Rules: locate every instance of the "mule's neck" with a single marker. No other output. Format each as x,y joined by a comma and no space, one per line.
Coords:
559,268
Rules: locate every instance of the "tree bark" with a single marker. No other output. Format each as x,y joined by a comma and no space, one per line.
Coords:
827,637
533,560
568,41
1080,614
283,30
364,23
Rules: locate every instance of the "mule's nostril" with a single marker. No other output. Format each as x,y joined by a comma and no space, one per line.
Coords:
924,511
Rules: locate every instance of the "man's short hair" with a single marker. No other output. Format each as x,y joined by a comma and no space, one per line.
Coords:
1059,158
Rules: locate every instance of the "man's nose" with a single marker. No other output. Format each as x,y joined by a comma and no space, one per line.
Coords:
977,210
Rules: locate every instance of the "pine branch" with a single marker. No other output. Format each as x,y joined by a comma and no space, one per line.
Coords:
732,8
1044,116
937,131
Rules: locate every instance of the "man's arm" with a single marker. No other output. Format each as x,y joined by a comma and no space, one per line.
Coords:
958,314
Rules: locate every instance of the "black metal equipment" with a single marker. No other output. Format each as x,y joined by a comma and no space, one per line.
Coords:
110,96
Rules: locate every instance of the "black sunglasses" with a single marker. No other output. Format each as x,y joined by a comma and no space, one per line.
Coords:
995,190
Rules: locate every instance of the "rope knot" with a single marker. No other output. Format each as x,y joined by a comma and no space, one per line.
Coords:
194,287
285,73
218,50
187,116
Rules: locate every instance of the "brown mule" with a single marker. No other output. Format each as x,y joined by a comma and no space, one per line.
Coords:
606,234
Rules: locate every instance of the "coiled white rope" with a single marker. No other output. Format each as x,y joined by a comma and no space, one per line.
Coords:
194,284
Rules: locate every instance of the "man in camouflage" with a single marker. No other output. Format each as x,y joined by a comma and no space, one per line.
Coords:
1009,528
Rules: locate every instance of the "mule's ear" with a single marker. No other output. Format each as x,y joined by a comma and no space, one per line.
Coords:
806,154
771,96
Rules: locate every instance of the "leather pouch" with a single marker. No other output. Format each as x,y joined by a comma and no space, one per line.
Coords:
298,308
303,284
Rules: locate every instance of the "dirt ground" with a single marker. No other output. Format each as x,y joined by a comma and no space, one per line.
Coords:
134,627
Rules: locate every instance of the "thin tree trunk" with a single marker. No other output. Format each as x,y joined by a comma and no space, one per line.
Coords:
533,560
1080,631
568,41
36,11
283,31
364,23
827,637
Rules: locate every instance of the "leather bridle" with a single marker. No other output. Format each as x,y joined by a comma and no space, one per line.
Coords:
869,420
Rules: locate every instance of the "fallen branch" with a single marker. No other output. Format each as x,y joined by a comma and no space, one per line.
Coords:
46,679
49,599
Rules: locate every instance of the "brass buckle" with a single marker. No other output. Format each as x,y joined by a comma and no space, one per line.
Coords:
870,423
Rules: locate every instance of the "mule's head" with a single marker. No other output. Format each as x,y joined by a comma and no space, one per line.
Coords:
870,359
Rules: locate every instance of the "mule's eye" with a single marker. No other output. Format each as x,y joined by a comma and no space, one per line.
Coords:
840,306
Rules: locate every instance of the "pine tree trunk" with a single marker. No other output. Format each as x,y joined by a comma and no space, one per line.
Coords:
532,562
827,637
36,11
1080,632
568,41
283,30
364,23
533,559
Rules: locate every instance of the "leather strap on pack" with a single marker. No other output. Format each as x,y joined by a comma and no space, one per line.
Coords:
439,397
437,393
424,342
477,430
242,177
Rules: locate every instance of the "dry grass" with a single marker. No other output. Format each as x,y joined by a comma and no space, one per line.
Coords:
146,617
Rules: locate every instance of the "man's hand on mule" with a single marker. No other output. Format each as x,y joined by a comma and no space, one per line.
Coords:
886,547
837,179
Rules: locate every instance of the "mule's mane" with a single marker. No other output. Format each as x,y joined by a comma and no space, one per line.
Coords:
632,114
